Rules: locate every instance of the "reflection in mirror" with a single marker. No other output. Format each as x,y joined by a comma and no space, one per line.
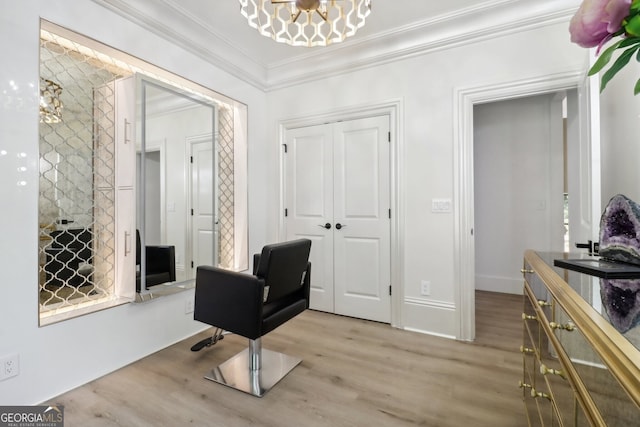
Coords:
76,163
186,193
100,108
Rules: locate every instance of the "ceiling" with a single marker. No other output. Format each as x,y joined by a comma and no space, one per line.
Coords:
216,31
223,18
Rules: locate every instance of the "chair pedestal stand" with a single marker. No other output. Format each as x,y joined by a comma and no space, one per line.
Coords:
254,370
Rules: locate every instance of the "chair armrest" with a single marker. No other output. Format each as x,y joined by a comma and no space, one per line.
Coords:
229,300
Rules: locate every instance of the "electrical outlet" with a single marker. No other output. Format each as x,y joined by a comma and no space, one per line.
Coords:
188,306
9,366
425,288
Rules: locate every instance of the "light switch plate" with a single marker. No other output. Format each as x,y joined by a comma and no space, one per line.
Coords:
441,205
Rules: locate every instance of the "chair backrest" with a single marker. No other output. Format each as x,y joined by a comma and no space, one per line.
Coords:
138,249
282,267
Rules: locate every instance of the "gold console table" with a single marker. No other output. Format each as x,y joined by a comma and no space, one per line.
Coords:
580,368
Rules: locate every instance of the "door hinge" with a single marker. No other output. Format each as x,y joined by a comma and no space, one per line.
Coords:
191,159
191,212
389,213
285,147
389,137
389,289
191,264
286,212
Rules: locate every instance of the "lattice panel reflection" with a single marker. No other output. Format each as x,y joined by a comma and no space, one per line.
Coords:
77,211
226,193
77,169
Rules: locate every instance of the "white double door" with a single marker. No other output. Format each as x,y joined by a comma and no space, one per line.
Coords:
337,193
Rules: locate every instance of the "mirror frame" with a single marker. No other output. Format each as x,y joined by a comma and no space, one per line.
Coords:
143,83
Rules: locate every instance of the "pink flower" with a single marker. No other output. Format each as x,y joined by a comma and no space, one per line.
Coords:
596,21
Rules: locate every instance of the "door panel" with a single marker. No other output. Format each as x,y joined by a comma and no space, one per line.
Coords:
311,180
309,198
359,283
362,268
338,174
358,162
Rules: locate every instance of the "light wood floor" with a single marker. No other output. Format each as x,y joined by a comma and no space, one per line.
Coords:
354,373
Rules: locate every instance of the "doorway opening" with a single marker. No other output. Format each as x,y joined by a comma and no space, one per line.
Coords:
520,189
585,128
520,183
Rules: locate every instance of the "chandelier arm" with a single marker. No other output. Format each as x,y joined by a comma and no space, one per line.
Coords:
325,16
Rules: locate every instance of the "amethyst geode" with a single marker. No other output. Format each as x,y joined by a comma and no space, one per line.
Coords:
620,230
621,301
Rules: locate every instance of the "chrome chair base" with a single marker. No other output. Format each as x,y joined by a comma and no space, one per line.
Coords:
239,373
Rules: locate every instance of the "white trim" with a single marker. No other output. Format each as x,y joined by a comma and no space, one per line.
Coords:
394,110
463,102
425,332
488,19
416,40
51,316
209,46
430,303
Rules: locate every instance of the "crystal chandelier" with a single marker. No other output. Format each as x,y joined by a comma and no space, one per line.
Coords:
306,22
50,104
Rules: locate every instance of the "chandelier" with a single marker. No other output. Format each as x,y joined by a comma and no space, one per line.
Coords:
306,22
50,104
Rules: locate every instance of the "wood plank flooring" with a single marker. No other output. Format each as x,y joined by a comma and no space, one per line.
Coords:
353,373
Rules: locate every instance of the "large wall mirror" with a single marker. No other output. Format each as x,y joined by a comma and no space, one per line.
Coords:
185,167
142,178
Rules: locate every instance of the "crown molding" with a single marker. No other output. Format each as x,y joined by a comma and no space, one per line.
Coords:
190,35
480,22
427,36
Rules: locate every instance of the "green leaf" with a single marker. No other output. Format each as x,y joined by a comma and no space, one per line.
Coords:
604,58
617,66
636,89
629,41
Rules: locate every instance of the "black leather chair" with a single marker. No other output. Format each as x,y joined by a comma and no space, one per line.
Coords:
160,264
252,306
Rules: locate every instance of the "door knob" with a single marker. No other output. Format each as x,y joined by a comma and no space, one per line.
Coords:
339,226
327,226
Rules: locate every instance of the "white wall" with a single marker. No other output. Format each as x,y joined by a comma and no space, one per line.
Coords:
425,85
58,357
620,140
518,170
